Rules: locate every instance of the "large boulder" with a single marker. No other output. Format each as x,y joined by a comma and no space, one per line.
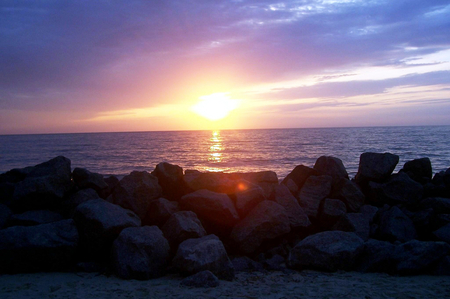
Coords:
182,226
331,211
443,233
206,253
46,247
44,185
297,178
213,181
419,170
350,193
297,217
85,179
377,256
247,199
159,211
268,220
394,225
140,253
328,251
5,214
331,166
214,207
267,180
359,223
34,217
203,279
315,189
70,204
99,223
375,167
136,191
170,178
399,189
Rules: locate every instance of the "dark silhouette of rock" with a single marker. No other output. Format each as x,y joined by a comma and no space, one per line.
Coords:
350,193
315,189
297,178
328,251
214,207
331,211
45,247
423,222
266,180
358,223
85,179
443,233
331,166
275,263
34,217
202,279
297,217
99,223
136,191
419,170
377,256
246,264
375,167
170,178
140,253
268,220
70,204
394,225
5,214
369,211
442,267
112,181
206,253
440,204
246,200
182,226
213,181
159,211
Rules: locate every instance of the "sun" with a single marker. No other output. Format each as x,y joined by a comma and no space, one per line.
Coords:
215,106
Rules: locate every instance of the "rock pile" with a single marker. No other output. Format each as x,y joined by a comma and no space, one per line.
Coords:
148,224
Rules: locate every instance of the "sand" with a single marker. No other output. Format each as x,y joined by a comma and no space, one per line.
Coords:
305,284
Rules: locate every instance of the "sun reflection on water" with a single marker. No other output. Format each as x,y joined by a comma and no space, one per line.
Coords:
215,151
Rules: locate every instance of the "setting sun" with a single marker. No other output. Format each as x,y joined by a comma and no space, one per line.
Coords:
215,106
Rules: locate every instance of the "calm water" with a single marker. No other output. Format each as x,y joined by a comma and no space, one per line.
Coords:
279,150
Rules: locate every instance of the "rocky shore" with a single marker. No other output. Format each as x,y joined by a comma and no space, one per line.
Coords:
210,227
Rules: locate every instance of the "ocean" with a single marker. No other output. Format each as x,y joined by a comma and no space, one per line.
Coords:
279,150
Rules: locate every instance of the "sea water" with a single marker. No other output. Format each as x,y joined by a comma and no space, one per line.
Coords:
279,150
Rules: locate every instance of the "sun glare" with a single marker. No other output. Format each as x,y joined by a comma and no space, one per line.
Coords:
215,106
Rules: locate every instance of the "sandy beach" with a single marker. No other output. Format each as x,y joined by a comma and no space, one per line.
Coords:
305,284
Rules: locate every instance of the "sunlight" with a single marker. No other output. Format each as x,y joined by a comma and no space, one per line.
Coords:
215,106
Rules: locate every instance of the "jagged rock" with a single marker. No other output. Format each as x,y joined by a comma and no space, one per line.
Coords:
394,225
44,185
85,179
70,204
170,178
99,223
159,211
331,166
419,170
206,253
315,189
297,217
358,223
182,226
400,188
440,204
297,178
140,253
45,247
214,207
349,193
377,256
328,251
213,181
443,234
417,257
136,191
268,220
35,217
5,214
246,200
246,264
375,167
332,210
202,279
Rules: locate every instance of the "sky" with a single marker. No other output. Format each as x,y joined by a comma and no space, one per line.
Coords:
102,66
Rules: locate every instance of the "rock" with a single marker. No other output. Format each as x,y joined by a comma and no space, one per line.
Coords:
399,189
215,207
44,185
170,178
140,253
419,170
315,189
112,181
331,211
266,180
35,217
85,179
268,220
246,264
331,166
349,193
70,204
358,223
5,214
45,247
417,257
246,200
377,256
202,279
328,251
369,211
439,204
99,223
275,263
375,167
394,225
439,221
206,253
159,211
423,222
443,234
297,217
182,226
213,181
297,178
135,191
442,267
